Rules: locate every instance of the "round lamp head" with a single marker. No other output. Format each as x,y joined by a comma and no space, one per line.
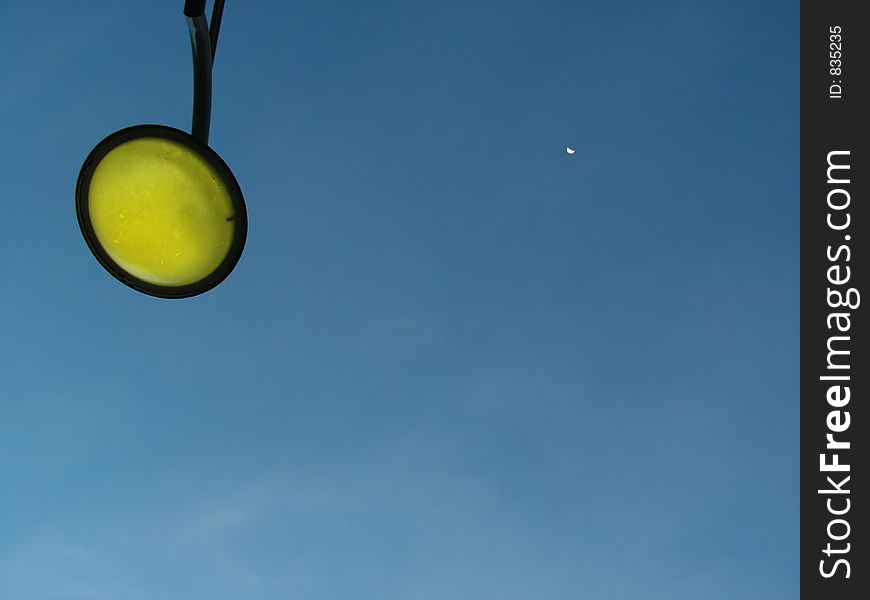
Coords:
161,211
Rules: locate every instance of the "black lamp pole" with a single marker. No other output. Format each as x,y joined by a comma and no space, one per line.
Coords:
217,13
204,44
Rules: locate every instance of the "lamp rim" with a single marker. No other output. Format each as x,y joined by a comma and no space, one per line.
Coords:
240,228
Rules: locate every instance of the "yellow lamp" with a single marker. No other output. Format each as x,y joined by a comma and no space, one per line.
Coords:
161,211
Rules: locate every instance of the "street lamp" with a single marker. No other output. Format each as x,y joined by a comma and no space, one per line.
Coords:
158,208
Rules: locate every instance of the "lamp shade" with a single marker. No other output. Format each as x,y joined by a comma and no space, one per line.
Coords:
161,211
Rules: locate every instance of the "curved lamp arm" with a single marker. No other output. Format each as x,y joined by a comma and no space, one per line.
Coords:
217,13
203,43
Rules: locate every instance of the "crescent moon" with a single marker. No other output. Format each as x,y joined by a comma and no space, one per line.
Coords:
570,150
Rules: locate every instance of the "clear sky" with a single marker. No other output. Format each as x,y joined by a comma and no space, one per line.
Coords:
454,362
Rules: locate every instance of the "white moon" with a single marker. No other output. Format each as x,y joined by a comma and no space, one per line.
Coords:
569,150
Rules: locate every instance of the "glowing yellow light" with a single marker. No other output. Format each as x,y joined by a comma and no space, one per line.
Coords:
161,212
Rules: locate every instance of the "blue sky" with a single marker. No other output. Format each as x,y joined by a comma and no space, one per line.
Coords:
453,361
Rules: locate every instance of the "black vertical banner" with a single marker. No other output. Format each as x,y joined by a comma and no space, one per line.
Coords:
835,371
